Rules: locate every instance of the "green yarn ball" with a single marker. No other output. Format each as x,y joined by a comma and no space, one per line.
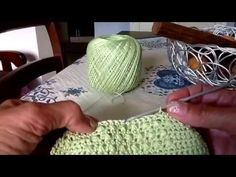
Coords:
114,63
150,135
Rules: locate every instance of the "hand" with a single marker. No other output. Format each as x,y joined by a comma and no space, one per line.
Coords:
22,124
215,111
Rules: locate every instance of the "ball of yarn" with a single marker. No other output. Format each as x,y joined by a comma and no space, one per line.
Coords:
150,135
114,63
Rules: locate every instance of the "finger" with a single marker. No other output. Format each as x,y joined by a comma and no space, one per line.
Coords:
185,92
77,121
59,115
205,116
93,121
11,103
16,143
221,97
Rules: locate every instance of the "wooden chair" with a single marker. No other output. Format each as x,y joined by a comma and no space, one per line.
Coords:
8,57
51,28
12,81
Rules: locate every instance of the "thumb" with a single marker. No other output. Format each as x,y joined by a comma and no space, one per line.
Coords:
204,116
71,116
64,114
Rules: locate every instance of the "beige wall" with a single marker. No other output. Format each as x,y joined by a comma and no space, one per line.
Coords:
44,47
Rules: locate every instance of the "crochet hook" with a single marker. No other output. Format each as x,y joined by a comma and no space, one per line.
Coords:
185,99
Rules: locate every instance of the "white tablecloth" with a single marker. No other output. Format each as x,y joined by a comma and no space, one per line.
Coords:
159,79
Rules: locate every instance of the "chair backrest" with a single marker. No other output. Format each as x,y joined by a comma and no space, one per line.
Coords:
34,40
9,57
28,43
12,83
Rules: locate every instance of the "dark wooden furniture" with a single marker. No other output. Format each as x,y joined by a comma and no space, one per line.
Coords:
12,81
190,35
51,29
138,34
8,57
74,44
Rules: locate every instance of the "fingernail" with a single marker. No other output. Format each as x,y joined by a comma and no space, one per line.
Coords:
93,123
173,107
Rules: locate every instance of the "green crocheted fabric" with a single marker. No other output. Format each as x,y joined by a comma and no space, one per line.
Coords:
153,134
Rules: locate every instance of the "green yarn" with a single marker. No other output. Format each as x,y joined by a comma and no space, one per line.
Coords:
114,63
154,134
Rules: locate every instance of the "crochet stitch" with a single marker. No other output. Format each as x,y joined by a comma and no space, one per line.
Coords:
153,134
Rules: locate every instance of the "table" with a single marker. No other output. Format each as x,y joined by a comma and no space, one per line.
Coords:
159,79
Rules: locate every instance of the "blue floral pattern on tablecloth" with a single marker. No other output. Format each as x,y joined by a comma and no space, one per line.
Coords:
162,80
42,94
74,91
50,82
79,61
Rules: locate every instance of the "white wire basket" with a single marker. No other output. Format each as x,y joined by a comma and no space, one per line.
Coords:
208,64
